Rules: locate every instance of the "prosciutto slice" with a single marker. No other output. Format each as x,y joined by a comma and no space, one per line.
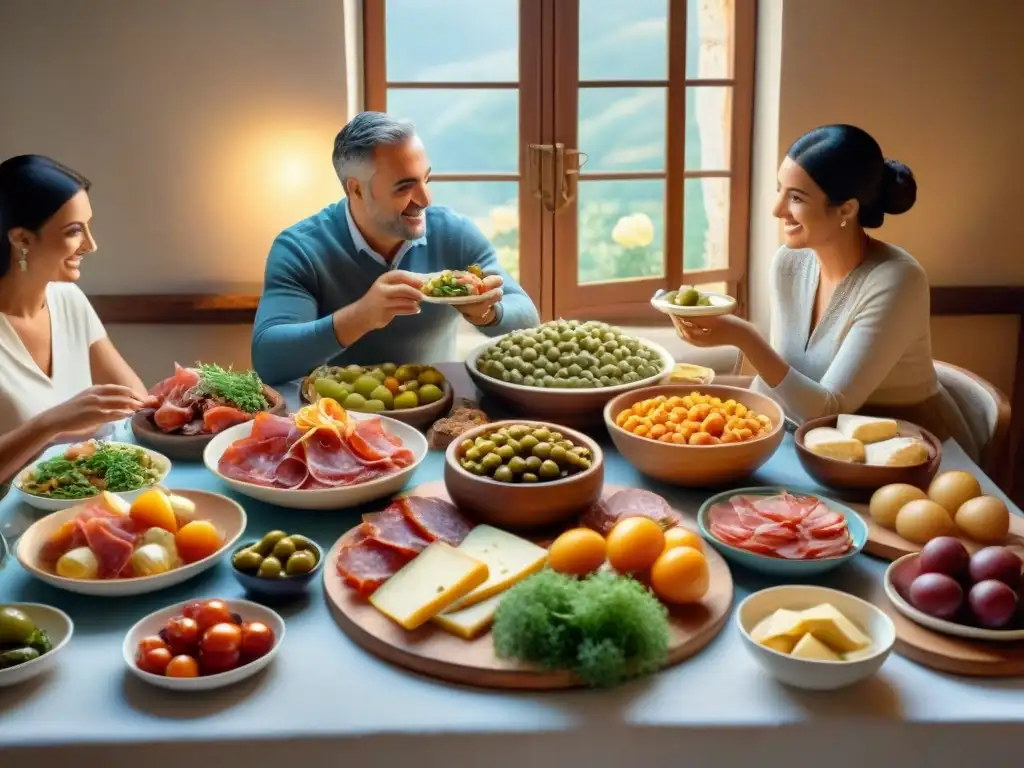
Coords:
221,417
365,564
111,543
435,519
629,502
784,525
370,442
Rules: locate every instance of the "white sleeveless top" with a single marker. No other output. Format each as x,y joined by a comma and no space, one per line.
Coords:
25,391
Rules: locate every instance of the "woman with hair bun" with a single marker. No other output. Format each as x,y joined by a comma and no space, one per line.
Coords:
850,328
60,376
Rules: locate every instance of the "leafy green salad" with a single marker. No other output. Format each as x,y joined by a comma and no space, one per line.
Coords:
89,468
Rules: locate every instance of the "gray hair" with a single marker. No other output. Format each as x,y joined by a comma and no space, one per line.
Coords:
356,142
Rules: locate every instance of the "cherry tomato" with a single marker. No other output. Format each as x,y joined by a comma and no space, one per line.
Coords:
149,643
183,666
191,610
215,663
222,638
212,612
154,660
257,639
182,634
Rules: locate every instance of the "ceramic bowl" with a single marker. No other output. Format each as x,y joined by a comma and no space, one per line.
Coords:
721,304
286,586
322,498
862,479
564,406
808,674
898,577
777,566
225,514
696,465
154,622
188,447
58,627
523,505
423,416
161,462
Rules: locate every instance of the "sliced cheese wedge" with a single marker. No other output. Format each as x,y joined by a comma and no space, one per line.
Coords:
828,624
833,444
811,648
773,631
867,429
469,623
428,584
509,559
897,452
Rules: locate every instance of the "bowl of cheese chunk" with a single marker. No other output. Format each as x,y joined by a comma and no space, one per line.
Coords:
862,453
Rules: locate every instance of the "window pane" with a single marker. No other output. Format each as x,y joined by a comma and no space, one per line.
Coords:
493,206
621,230
708,128
623,40
463,130
722,287
623,129
452,40
710,26
705,224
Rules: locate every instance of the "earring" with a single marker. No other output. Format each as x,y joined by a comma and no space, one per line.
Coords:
23,261
842,224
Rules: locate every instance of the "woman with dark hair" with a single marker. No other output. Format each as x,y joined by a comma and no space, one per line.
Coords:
60,376
850,328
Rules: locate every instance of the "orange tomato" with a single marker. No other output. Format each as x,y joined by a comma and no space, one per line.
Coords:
634,544
154,661
182,634
150,643
578,551
257,640
153,509
212,612
182,666
197,540
222,638
678,536
393,384
680,575
215,663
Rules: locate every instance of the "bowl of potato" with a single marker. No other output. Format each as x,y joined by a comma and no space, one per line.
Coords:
695,437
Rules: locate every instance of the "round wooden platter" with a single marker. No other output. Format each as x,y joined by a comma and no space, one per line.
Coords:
432,651
946,653
889,545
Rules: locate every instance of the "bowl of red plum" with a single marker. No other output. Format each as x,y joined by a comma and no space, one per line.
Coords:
944,587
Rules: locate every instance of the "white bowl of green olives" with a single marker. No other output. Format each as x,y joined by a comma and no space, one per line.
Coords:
31,636
689,302
566,370
523,474
278,565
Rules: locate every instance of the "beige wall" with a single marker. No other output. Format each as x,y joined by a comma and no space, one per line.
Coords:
940,85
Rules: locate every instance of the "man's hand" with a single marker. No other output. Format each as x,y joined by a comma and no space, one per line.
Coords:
482,312
394,293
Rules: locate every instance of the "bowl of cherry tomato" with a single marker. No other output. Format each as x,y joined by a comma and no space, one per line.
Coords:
200,645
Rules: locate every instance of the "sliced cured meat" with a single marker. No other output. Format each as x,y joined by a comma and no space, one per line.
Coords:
365,564
221,417
175,386
267,425
392,529
629,502
170,417
193,428
112,546
435,519
328,458
254,461
67,537
369,441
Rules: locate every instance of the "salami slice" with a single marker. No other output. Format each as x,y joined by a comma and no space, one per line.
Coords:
365,564
391,528
435,519
629,502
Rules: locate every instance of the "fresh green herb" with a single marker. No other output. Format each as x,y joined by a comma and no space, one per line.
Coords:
605,628
39,641
115,468
242,389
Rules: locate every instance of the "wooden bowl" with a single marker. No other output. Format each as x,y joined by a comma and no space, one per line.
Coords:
522,506
572,406
696,466
422,416
188,447
863,479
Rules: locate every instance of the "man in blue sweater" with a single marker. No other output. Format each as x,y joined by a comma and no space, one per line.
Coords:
343,286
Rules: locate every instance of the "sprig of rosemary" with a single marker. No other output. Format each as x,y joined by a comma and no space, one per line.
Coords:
243,389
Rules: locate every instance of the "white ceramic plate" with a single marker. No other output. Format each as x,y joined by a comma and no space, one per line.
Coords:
322,498
52,505
941,625
494,292
58,627
226,515
804,673
156,621
720,305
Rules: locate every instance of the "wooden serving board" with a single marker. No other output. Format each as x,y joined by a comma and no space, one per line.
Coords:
432,651
889,545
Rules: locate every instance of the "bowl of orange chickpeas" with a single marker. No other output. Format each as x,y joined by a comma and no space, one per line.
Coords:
695,437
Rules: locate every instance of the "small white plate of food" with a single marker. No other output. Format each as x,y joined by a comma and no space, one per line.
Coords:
687,301
456,286
70,474
31,636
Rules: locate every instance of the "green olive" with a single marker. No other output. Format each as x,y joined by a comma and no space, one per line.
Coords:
529,477
300,562
548,469
15,626
247,559
514,445
465,445
284,549
499,439
503,474
584,463
490,462
543,450
517,431
533,463
528,442
473,454
266,545
506,452
270,568
517,464
485,447
473,467
302,543
542,433
557,454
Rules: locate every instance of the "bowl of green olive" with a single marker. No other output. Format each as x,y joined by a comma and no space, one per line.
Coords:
523,474
278,565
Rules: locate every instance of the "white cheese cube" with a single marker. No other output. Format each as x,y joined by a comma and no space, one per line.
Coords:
897,452
833,444
867,429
